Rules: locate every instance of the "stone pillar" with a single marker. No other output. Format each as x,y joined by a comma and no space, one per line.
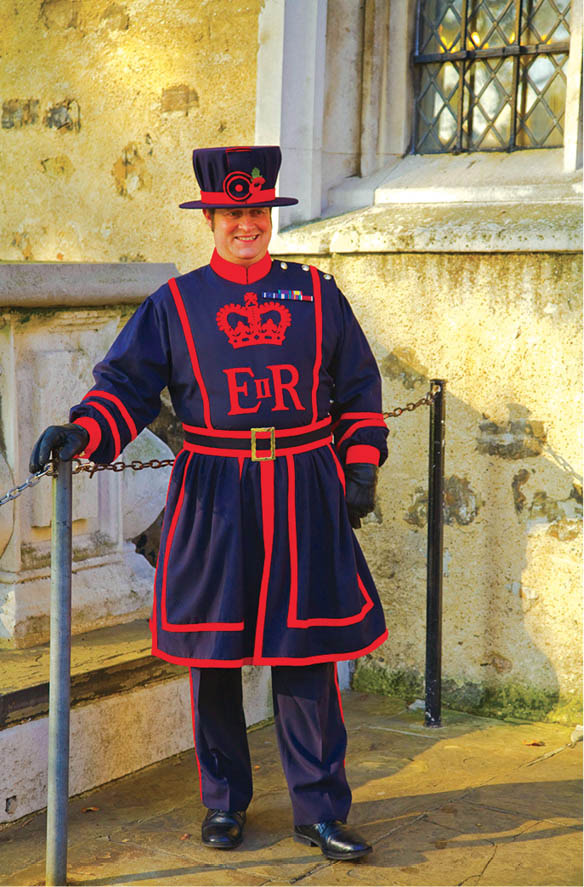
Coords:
56,322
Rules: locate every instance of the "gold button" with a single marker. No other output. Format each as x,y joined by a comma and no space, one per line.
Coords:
305,268
328,277
283,265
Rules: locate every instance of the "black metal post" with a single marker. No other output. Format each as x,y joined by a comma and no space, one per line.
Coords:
60,671
434,560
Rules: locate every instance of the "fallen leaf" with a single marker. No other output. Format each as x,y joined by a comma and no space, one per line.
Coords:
90,809
185,836
533,742
256,766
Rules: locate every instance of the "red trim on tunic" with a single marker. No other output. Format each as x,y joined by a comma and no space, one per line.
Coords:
293,619
153,625
318,338
268,660
185,626
344,416
362,453
340,470
191,348
366,423
280,432
267,493
127,418
195,735
94,430
112,425
240,273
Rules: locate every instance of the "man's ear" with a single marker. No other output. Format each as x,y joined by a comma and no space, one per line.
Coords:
208,218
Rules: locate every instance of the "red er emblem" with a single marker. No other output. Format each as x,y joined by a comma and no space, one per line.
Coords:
253,324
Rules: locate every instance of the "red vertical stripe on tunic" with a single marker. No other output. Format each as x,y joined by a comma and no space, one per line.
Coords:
318,338
191,348
293,603
267,491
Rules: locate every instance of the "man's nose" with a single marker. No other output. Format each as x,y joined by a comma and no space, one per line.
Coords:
247,221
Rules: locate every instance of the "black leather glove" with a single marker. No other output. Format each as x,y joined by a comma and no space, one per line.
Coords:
360,483
69,439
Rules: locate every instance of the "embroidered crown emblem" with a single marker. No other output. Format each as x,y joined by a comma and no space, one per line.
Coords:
253,324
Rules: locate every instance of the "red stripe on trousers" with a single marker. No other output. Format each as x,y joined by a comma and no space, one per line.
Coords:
191,348
195,735
340,700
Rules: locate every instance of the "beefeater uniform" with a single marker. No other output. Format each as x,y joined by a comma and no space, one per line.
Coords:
277,388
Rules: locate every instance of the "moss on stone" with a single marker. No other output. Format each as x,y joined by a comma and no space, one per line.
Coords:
373,677
508,701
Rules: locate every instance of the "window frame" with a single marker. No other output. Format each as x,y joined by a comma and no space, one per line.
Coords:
465,56
290,103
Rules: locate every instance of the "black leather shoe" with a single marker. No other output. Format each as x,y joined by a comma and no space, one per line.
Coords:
334,838
222,830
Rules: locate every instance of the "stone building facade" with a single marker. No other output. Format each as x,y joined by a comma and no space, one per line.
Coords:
461,266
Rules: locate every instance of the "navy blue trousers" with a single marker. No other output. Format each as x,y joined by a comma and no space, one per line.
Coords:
311,738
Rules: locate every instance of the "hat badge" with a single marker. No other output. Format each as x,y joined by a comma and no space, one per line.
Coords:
240,185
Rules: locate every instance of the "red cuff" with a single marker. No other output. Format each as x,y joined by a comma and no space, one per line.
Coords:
94,431
362,453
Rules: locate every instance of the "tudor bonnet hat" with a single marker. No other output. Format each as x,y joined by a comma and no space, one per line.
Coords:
237,176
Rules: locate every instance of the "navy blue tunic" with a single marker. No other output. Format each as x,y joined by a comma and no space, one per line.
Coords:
258,563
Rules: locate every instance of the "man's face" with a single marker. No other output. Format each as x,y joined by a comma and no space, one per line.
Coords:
241,234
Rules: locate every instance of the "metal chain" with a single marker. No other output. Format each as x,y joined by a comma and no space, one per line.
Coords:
31,481
426,400
136,465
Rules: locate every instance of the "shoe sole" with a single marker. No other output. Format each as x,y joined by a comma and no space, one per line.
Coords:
220,846
302,839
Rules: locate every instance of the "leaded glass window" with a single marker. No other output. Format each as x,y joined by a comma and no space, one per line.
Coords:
490,74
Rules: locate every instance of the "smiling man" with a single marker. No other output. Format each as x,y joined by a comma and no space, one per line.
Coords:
280,400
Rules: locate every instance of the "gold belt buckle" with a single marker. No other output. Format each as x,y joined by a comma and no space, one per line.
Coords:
272,454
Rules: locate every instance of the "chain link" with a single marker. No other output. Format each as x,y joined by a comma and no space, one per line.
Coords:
136,465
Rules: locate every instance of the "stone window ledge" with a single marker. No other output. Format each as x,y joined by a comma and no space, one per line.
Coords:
520,202
71,284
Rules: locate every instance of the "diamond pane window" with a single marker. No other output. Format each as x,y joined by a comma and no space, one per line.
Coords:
490,74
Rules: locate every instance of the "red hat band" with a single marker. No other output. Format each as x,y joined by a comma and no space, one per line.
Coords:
241,188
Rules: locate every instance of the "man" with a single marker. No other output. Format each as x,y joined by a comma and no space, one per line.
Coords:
267,368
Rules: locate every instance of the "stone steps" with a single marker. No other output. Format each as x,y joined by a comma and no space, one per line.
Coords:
128,710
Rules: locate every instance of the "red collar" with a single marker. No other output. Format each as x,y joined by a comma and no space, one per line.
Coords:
240,273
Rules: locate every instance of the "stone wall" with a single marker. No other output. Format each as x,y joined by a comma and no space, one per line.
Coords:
102,103
504,330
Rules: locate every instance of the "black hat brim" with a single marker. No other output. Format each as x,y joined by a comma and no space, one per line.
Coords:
200,204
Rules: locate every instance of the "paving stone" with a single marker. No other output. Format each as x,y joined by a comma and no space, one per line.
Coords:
469,804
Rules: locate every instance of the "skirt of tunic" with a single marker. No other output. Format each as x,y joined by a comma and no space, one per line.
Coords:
258,564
